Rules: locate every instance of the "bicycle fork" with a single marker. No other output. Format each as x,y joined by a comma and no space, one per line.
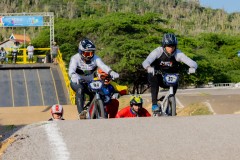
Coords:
165,102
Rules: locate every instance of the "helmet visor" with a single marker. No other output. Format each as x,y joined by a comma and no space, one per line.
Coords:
87,53
171,45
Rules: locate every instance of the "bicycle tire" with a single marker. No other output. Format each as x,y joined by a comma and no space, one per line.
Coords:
98,109
172,106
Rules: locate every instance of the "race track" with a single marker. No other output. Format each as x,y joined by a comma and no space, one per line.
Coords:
175,138
172,138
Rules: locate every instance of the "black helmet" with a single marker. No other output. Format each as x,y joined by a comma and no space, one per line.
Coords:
86,49
169,39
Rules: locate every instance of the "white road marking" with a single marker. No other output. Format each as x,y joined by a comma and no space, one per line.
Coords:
59,148
209,107
179,103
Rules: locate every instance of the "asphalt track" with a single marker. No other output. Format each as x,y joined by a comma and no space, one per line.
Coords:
213,137
173,138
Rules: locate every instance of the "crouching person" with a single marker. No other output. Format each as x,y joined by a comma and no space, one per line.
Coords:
134,110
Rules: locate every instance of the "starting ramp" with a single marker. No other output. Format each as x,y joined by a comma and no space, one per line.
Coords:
32,85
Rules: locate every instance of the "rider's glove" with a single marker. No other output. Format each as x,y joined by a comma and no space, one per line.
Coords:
114,75
74,78
150,70
191,70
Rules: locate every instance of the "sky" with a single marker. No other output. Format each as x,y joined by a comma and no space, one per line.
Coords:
229,6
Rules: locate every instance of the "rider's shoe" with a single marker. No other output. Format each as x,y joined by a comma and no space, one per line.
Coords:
83,115
155,108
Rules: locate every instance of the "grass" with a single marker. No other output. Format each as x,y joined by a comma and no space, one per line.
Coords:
194,109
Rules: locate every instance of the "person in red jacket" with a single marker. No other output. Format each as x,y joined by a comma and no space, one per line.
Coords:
134,110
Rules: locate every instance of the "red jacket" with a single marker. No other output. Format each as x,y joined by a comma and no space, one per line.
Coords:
127,112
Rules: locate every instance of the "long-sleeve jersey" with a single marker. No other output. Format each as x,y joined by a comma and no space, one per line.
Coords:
127,112
85,71
160,60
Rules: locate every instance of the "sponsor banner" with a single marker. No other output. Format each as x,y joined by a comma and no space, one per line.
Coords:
21,21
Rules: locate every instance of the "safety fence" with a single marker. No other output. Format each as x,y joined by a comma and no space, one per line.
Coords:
66,78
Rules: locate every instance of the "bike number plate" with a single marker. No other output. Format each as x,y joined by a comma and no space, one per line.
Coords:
95,85
171,78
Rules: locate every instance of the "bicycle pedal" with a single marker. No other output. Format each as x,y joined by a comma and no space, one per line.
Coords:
156,114
164,114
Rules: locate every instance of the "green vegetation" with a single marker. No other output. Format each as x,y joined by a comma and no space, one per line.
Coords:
193,110
125,32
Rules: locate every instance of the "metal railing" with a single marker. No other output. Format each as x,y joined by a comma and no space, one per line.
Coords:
66,78
22,54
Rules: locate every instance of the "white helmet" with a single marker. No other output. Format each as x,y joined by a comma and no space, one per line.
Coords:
57,108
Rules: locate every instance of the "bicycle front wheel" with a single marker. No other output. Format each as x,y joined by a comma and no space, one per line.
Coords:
98,109
172,106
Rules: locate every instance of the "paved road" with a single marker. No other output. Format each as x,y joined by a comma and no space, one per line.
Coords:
172,138
221,100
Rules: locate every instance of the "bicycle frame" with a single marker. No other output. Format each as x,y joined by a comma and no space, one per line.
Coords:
164,104
96,109
167,105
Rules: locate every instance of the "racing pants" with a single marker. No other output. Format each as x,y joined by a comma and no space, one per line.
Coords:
81,89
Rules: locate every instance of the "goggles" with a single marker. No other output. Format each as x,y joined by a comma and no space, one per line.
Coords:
59,114
105,78
172,46
87,53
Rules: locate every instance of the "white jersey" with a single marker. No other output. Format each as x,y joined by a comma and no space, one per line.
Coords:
30,49
83,70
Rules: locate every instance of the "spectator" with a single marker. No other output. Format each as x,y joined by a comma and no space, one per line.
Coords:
134,110
57,112
54,52
3,55
14,48
30,50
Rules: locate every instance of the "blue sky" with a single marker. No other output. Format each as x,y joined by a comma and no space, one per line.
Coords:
229,6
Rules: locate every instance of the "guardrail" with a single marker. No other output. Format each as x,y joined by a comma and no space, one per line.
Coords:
22,54
66,78
224,84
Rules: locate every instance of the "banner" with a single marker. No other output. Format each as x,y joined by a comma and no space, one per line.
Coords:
21,21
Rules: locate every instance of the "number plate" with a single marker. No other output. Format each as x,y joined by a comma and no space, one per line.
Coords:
171,78
95,85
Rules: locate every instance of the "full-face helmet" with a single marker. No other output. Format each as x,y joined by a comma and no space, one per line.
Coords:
103,76
136,100
86,49
57,109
